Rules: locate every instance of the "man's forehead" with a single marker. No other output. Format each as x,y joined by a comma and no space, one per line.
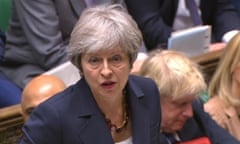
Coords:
184,98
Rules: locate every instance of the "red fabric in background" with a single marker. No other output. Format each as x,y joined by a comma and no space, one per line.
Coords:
201,140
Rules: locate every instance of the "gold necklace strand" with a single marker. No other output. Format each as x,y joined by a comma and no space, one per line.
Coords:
114,128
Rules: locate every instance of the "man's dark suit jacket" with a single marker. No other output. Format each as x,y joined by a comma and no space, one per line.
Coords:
155,18
202,125
73,117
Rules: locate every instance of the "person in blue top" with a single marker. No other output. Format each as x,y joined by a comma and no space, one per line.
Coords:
10,93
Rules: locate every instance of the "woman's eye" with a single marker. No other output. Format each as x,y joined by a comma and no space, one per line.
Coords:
94,61
116,59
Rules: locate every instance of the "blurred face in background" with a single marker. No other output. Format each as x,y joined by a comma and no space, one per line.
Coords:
236,78
175,112
38,90
236,73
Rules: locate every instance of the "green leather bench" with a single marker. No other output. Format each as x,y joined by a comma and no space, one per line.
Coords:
5,13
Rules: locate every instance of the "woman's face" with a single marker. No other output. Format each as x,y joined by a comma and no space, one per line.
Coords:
236,73
106,71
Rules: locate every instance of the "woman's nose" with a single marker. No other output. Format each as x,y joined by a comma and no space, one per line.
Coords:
106,70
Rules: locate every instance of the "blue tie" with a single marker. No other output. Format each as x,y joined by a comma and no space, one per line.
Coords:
193,9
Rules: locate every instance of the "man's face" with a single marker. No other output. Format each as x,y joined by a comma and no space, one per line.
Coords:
32,101
175,112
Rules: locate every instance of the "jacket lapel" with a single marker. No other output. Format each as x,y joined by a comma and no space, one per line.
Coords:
163,139
91,126
94,131
140,117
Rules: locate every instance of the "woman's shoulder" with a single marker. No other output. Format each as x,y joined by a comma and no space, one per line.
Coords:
143,86
142,82
214,104
137,78
215,100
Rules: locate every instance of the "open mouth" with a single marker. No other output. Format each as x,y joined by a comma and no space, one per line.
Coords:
108,84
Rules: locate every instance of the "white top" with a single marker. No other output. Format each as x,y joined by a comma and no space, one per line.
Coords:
126,141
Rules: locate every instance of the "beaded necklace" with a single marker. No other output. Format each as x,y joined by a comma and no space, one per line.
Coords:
114,127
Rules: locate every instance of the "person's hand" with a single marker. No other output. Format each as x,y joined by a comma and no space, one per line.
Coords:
232,124
217,46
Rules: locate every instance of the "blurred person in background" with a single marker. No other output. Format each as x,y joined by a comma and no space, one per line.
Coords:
38,36
38,90
157,19
224,89
180,83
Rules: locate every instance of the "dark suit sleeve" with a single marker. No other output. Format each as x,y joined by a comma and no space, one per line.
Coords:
216,134
222,15
42,127
155,18
149,16
153,103
40,24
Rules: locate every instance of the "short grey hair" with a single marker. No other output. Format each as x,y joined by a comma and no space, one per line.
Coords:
101,28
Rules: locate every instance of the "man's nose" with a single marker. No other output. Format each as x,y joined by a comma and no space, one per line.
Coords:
188,112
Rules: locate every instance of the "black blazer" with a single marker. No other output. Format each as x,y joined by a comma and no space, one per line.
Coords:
202,125
73,117
155,18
